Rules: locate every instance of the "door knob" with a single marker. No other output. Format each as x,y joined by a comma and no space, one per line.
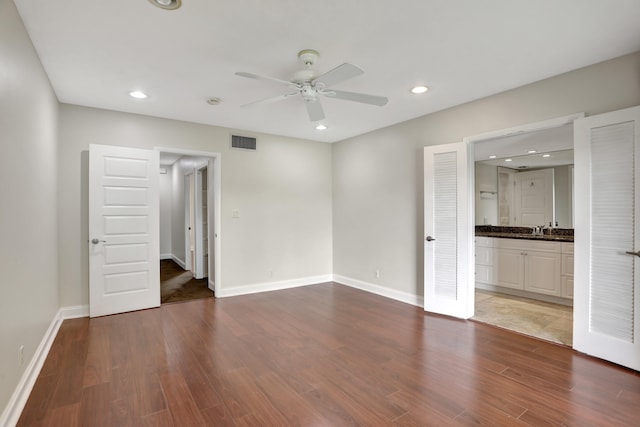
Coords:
95,241
430,239
633,253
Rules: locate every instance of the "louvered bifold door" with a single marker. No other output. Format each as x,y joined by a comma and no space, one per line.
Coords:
607,242
447,233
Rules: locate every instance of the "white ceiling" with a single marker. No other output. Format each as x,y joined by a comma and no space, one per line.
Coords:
95,52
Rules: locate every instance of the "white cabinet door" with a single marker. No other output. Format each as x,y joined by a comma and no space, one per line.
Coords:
448,245
607,198
124,253
542,272
510,268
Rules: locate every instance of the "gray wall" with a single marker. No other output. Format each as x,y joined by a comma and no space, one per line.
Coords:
28,220
282,191
377,177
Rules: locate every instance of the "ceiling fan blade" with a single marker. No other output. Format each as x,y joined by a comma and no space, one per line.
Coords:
314,109
357,97
269,100
272,79
339,74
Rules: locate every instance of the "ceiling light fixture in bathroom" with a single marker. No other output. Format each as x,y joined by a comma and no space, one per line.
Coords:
419,89
167,4
138,94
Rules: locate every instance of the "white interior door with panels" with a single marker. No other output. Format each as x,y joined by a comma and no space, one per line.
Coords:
124,252
448,243
607,241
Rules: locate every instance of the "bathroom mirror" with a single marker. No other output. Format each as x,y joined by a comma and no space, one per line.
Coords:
527,190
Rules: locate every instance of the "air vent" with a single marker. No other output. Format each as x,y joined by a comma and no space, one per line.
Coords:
243,142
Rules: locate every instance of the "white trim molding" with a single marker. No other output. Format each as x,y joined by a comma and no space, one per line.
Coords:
380,290
273,286
166,256
178,261
13,410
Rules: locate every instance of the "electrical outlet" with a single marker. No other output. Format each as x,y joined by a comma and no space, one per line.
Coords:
377,274
235,213
21,355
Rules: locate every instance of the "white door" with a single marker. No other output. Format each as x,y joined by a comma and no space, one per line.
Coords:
200,223
534,197
448,246
607,240
124,253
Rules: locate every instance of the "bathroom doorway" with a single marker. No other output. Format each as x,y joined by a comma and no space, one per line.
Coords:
524,282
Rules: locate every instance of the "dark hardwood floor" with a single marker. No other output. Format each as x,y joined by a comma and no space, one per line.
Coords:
177,284
323,355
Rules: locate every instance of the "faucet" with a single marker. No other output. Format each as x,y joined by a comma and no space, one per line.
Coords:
538,230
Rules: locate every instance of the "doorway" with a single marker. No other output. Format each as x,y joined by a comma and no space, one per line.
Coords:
189,217
523,180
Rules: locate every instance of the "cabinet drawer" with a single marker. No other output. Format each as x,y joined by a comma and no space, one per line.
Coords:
567,248
528,245
486,242
484,256
567,264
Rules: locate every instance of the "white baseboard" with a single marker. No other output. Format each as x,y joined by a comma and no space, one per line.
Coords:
273,286
180,262
13,410
166,256
380,290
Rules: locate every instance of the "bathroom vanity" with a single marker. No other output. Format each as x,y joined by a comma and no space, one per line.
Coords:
512,260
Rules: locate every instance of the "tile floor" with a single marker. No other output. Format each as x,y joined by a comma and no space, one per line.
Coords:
552,322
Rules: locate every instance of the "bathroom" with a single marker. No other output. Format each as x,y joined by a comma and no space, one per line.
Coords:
524,233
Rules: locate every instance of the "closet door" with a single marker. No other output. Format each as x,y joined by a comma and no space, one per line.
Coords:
448,241
607,241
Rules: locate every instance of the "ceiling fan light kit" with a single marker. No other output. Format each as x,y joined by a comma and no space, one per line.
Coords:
167,4
311,84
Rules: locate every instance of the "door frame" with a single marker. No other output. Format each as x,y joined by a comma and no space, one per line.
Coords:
214,196
470,141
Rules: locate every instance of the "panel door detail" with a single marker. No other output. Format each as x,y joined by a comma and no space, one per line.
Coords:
124,252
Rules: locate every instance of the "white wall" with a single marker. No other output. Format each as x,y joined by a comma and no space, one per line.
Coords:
282,191
166,202
28,215
487,203
377,177
562,189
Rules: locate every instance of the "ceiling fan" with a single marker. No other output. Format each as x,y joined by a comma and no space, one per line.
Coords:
310,84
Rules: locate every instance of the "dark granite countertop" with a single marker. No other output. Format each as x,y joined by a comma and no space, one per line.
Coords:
552,235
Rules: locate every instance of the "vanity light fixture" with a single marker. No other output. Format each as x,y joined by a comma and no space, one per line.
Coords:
492,157
508,160
167,4
321,127
546,155
138,94
419,89
531,151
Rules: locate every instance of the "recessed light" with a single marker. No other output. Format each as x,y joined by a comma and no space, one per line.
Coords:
167,4
492,157
531,151
508,160
321,127
214,101
138,94
546,155
419,89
